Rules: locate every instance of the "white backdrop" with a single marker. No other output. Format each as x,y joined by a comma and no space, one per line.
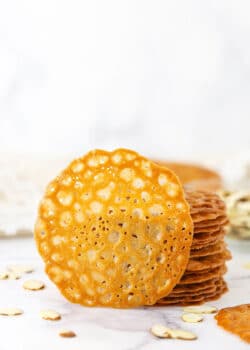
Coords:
164,77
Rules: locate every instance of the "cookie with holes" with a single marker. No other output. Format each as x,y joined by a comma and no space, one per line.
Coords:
114,229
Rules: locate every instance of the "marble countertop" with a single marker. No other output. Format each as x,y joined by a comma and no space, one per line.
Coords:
100,328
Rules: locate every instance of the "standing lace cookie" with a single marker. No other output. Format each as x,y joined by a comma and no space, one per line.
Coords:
114,229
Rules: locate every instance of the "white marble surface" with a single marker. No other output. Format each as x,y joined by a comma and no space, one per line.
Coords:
101,328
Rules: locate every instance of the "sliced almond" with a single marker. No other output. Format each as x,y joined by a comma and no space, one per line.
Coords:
4,275
10,311
65,333
14,276
160,331
180,334
20,269
50,315
192,318
9,275
33,285
206,309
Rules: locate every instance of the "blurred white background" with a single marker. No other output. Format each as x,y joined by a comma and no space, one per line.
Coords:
168,78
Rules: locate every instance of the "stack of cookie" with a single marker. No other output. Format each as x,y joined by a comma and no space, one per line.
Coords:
203,278
115,229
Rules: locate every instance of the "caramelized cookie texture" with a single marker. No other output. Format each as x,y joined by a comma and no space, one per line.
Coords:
236,319
114,229
203,278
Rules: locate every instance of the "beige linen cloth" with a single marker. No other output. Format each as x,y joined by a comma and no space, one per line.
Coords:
22,181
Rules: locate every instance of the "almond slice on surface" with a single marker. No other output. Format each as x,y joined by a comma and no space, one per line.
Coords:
33,285
14,276
192,318
20,269
206,309
10,311
50,315
66,333
9,275
160,331
4,275
180,334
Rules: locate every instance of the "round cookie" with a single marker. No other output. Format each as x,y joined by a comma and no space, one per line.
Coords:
194,287
202,277
208,262
193,176
114,229
221,288
212,249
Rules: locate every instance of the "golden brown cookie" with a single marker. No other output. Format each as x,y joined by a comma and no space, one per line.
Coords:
114,229
194,287
205,238
194,176
212,224
202,277
236,319
196,299
209,250
208,262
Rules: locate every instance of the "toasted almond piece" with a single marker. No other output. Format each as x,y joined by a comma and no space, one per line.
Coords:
160,331
206,309
50,315
65,333
247,265
192,318
14,276
33,285
20,269
180,334
10,311
4,275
